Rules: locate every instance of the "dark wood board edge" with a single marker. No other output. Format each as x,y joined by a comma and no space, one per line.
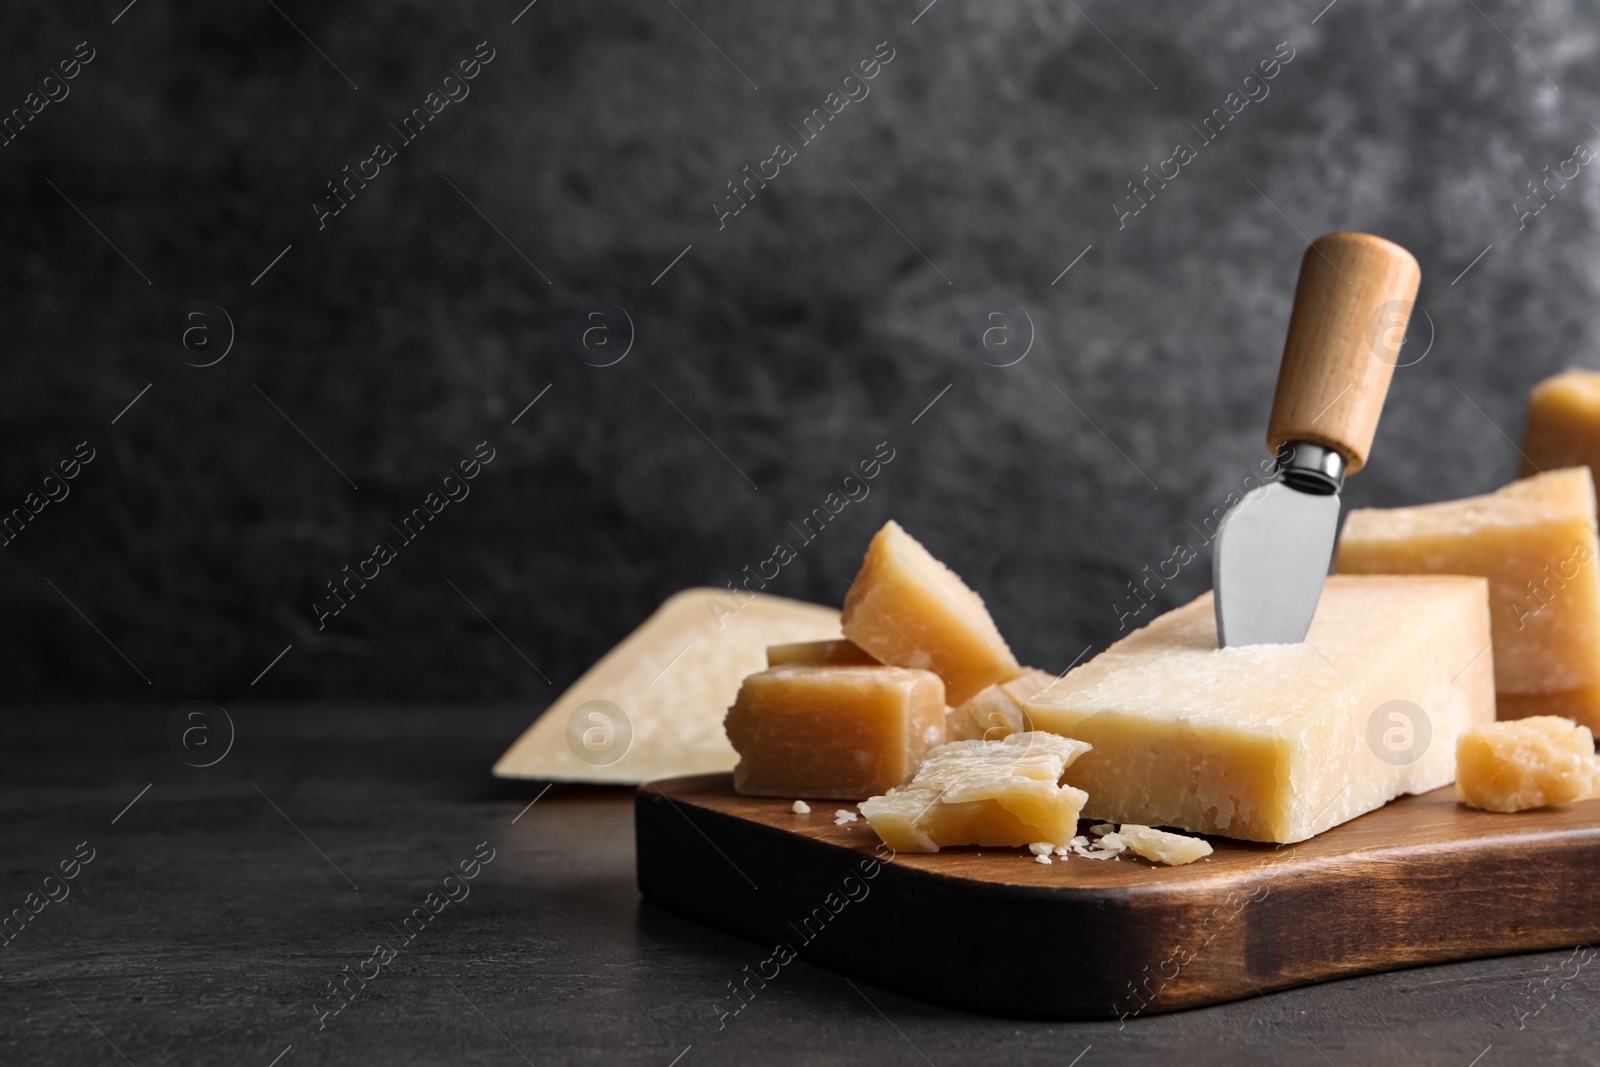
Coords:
1081,953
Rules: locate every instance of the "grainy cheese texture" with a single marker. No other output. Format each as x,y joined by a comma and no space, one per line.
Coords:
673,678
1563,423
839,652
908,609
1534,541
840,732
1280,742
998,793
995,711
1526,763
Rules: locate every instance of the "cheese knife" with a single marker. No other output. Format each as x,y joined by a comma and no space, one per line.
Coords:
1272,551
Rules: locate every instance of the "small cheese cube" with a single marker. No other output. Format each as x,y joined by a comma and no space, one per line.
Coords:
1526,763
841,733
907,608
1534,540
995,711
1563,423
1280,742
1005,793
842,653
1159,846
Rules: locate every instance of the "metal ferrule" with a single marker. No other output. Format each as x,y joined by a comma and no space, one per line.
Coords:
1311,468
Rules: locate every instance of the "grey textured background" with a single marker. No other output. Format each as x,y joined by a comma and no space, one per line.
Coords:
797,338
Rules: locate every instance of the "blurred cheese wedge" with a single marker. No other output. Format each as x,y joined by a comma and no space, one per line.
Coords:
841,653
653,706
1534,540
908,609
1280,742
1563,423
996,711
1000,793
838,732
1512,766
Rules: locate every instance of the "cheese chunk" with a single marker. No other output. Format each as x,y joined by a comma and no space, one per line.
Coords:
842,733
1528,763
1159,846
1563,423
653,706
1534,540
995,711
837,652
1004,793
1280,742
907,608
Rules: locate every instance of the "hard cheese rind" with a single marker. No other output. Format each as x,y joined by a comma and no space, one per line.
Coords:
998,793
1280,742
1534,540
673,678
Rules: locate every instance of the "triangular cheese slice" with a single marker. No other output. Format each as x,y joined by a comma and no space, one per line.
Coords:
673,680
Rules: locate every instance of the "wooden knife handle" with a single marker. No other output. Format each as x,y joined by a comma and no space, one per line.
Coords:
1350,313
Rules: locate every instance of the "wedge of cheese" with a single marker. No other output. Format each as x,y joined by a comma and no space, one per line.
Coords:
653,706
839,732
1280,742
1563,423
998,793
995,711
1513,766
908,609
1534,540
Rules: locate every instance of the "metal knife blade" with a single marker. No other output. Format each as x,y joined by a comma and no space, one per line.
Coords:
1269,563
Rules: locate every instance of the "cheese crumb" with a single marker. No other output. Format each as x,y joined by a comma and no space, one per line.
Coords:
843,816
1041,857
801,808
1160,846
1041,848
1100,829
1062,852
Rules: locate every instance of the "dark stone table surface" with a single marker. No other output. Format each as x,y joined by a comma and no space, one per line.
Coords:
218,907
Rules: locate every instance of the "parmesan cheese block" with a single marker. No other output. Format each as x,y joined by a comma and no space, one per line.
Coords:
1512,766
653,706
995,711
1563,423
1000,793
845,733
908,609
1280,742
1534,540
839,652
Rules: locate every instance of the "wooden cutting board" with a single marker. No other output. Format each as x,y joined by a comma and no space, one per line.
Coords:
1421,880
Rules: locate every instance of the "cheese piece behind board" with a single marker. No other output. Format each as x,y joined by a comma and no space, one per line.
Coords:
908,609
995,711
1563,423
1534,540
1280,742
673,678
1528,763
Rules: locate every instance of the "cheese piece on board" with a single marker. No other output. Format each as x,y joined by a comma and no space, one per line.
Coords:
843,733
1159,846
995,711
1526,763
1534,540
908,609
673,679
1280,742
837,652
997,793
1563,423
